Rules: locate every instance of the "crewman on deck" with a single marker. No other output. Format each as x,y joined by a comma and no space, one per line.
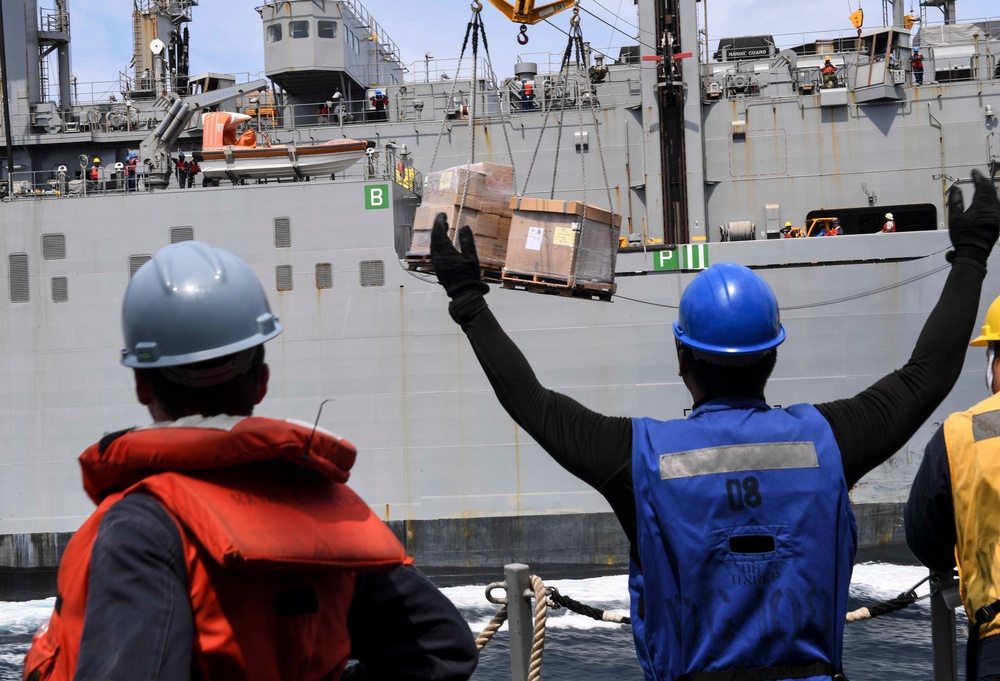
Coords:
917,66
95,170
181,169
380,102
787,232
527,94
829,72
889,226
738,516
834,229
193,169
954,509
131,165
224,545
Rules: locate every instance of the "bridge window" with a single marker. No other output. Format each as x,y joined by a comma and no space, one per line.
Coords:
326,28
274,33
298,29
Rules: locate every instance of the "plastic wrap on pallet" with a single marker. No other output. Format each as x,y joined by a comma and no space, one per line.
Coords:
484,205
477,181
564,243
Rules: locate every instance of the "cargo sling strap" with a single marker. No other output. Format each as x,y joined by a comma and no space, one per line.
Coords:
984,615
768,673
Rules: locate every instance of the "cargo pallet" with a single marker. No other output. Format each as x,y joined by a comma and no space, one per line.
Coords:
537,283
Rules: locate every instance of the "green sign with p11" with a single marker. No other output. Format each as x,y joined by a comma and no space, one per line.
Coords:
687,257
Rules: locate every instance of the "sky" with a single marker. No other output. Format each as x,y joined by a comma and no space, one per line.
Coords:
226,34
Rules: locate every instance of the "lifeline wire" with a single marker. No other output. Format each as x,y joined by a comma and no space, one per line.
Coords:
823,303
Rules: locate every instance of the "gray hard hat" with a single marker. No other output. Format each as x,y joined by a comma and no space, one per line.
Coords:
190,303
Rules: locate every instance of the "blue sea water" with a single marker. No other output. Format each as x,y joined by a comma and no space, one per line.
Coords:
896,646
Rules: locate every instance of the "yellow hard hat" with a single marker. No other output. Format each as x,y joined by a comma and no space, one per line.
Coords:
97,160
788,224
827,57
991,329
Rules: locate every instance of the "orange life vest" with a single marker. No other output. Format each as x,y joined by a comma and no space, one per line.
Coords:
528,88
95,173
262,511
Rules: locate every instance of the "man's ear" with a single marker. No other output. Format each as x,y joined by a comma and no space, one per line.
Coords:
265,375
143,387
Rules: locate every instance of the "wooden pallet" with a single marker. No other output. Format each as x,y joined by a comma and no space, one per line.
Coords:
422,263
536,283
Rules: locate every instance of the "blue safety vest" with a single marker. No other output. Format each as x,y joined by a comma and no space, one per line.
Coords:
746,539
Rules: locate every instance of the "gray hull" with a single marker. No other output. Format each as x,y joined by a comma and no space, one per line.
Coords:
439,460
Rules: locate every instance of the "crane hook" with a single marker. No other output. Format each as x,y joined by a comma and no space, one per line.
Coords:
477,6
522,37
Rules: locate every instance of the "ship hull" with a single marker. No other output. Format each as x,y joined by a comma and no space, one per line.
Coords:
439,459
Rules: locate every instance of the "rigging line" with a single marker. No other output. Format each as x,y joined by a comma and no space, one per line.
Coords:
612,27
822,303
616,15
617,30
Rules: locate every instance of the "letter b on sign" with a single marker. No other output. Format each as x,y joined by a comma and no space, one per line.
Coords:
376,196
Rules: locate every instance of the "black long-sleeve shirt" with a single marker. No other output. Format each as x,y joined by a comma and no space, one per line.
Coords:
869,427
139,623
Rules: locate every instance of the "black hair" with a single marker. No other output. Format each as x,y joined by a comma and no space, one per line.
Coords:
236,397
716,380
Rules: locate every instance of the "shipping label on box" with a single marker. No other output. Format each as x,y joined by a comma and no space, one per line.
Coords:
565,236
533,242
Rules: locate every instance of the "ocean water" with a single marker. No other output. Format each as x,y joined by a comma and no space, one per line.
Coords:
895,646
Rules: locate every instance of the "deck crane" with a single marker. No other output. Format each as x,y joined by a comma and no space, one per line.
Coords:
525,12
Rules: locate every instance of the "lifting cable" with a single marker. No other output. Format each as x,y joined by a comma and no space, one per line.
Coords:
575,50
475,29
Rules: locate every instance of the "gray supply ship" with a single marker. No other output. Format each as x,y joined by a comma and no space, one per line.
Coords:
705,146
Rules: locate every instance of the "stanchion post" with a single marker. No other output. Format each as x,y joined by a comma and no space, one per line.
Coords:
519,620
944,600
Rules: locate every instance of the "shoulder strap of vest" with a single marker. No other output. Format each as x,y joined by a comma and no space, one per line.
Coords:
767,673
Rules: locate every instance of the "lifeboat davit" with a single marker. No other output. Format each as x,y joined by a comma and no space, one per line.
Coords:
226,156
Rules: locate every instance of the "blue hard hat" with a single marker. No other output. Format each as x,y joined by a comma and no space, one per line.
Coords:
378,92
192,303
180,155
729,310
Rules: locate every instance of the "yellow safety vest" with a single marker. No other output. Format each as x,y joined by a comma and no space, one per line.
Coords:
973,442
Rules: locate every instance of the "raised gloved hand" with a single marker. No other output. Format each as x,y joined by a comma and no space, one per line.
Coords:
974,231
457,271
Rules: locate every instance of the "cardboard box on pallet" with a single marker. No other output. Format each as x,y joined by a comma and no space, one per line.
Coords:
486,209
561,242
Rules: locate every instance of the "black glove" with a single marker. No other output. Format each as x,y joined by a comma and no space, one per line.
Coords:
457,272
974,231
